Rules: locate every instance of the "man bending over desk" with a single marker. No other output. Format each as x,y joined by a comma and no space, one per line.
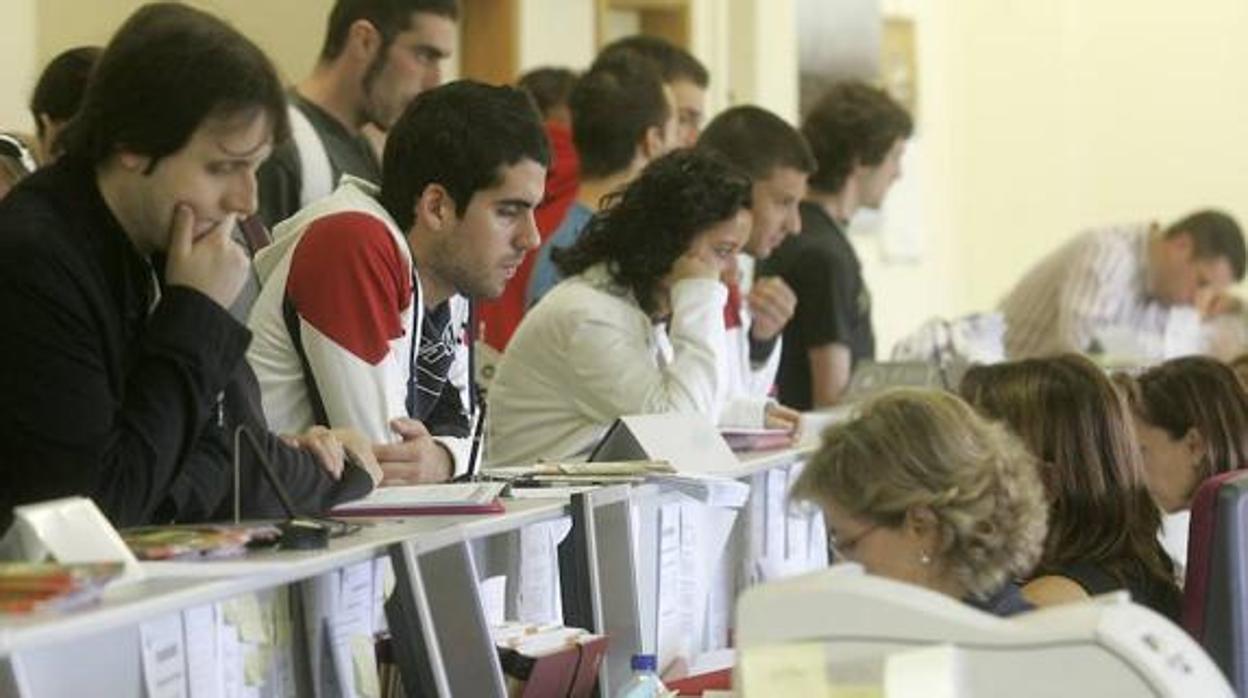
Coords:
363,313
123,376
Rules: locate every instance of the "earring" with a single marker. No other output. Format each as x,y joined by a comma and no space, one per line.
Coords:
924,558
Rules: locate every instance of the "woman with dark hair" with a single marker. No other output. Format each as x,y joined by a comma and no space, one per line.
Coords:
1103,523
1191,417
637,326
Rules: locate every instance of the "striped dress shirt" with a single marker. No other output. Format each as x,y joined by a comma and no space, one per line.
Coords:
1096,282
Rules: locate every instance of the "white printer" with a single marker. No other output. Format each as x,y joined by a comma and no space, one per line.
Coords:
859,624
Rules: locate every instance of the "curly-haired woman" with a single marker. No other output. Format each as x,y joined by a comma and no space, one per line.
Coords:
637,326
919,488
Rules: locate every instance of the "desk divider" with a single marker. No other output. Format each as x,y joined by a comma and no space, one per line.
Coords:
599,579
442,644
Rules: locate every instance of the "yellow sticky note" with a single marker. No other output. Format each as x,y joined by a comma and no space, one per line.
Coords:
364,662
256,665
245,612
794,670
281,621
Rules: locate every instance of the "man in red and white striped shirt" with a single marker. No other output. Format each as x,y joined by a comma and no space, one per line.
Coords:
1123,278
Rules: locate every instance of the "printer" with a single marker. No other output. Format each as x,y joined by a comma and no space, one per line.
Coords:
865,630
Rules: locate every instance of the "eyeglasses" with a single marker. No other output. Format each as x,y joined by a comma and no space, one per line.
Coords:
846,547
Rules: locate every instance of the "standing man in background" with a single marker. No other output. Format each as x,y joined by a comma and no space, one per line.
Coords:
378,55
858,134
1126,277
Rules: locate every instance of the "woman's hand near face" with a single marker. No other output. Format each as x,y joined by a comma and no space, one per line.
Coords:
694,265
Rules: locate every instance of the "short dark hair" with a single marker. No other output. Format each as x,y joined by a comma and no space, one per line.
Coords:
389,17
1214,234
852,123
674,63
613,105
458,135
549,87
61,86
757,141
645,227
167,69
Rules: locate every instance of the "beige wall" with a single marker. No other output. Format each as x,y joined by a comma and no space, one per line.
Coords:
17,36
1035,118
290,31
1067,113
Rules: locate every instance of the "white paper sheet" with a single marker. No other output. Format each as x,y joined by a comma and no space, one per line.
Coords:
203,657
231,660
351,624
672,633
164,657
538,598
493,592
776,519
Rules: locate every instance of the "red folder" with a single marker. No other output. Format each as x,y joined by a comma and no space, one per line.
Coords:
720,680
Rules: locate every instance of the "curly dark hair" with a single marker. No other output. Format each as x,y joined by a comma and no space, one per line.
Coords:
645,227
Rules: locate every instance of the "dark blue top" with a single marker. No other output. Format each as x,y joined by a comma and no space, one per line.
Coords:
545,274
1007,601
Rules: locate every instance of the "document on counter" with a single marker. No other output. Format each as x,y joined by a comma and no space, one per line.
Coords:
777,519
383,586
351,623
672,634
797,543
164,657
231,661
714,597
538,575
203,657
756,525
493,591
817,539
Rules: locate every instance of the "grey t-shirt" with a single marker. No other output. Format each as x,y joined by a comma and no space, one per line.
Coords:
280,178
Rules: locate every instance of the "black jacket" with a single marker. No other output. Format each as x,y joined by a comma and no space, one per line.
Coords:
102,398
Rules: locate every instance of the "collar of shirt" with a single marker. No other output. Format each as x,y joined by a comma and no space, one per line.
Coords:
131,277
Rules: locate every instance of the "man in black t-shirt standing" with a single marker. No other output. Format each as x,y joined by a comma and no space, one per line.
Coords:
857,134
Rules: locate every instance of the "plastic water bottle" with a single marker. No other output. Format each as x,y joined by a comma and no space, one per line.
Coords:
645,682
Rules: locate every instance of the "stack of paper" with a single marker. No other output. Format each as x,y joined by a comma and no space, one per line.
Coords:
28,587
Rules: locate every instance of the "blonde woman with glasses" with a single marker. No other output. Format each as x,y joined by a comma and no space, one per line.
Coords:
919,488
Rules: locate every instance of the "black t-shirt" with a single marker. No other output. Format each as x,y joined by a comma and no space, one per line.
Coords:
833,303
1146,591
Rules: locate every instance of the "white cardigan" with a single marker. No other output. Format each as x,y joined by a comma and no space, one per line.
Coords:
588,354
